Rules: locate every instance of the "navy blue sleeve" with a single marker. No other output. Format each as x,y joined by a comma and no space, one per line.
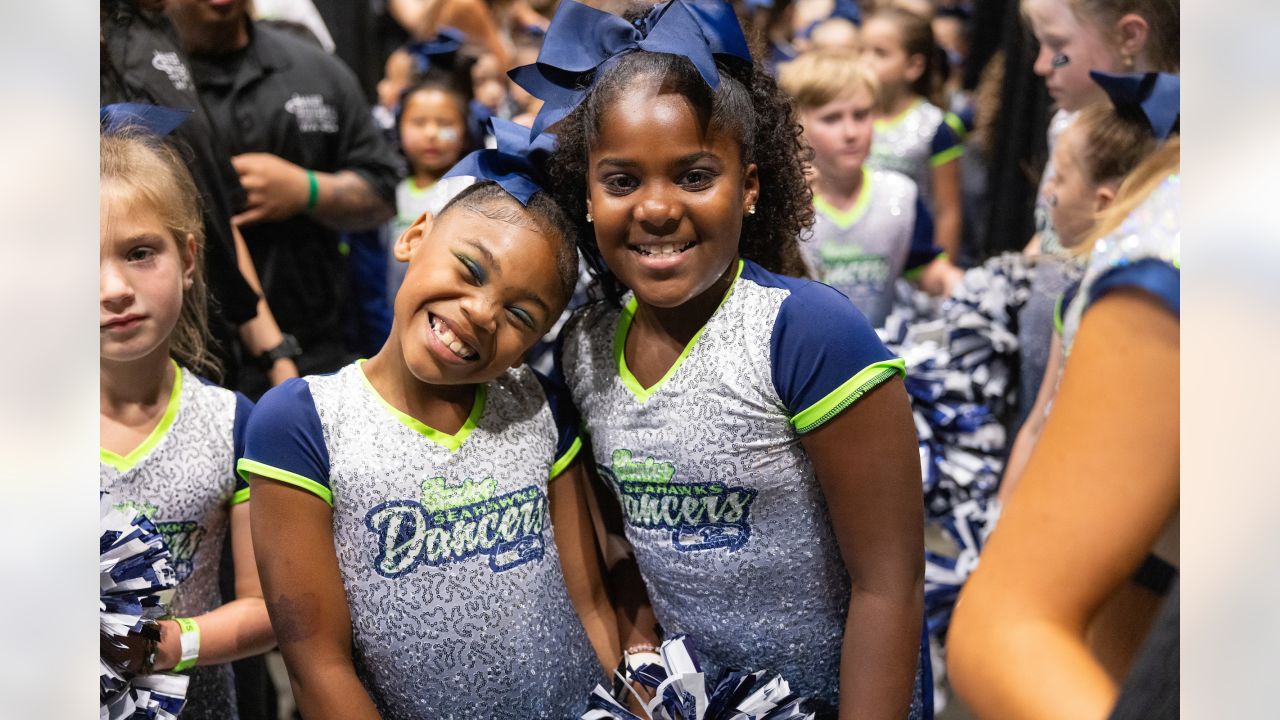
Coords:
946,144
285,442
825,355
239,427
568,441
1156,277
923,251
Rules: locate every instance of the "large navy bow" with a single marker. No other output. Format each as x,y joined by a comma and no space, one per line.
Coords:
155,119
1149,98
517,164
581,39
440,49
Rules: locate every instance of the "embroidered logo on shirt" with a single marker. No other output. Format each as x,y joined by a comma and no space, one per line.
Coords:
182,537
700,516
170,64
313,113
455,522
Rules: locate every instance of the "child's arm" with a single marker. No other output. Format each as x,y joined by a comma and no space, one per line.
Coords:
868,465
262,332
927,264
949,214
580,562
305,596
1033,426
1095,496
235,630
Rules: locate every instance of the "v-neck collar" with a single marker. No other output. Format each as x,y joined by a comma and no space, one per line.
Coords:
439,437
628,314
844,219
124,463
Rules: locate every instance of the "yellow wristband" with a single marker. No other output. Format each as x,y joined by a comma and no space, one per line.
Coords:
190,643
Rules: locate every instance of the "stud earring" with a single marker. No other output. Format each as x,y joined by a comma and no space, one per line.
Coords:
1128,61
751,210
589,218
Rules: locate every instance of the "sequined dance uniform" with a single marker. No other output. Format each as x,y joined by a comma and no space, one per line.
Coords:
921,138
183,478
1145,252
458,605
728,521
861,251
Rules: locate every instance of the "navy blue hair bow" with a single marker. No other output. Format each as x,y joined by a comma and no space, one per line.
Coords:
443,48
581,39
847,9
1149,98
155,119
517,164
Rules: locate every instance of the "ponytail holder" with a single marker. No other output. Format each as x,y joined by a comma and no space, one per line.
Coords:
581,39
155,119
441,49
517,164
1149,98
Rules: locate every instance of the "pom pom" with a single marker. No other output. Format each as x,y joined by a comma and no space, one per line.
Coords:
681,692
134,575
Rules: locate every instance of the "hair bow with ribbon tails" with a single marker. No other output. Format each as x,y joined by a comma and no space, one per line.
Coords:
1150,98
581,39
154,119
442,49
517,164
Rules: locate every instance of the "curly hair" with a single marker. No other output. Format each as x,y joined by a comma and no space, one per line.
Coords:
748,105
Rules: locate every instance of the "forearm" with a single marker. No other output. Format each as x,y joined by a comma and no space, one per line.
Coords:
420,18
236,630
637,624
880,652
261,333
344,201
327,689
946,227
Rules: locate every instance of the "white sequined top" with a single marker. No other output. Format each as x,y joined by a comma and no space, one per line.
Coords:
922,137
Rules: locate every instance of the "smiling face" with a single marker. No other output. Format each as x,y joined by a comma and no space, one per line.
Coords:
479,292
667,194
142,277
432,130
840,133
1069,49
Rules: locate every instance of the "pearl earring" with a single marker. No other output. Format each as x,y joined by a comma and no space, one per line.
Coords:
589,218
751,210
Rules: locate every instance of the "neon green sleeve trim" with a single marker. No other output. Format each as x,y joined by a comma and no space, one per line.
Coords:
246,466
848,393
955,123
241,495
1057,315
562,463
947,155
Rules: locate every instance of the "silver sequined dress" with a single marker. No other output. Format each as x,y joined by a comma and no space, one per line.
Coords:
729,524
183,478
457,601
923,137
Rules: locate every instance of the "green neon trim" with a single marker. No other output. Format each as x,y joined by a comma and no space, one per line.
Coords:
439,437
848,392
946,156
845,219
886,124
1057,315
246,466
241,495
123,464
564,460
955,123
620,343
415,190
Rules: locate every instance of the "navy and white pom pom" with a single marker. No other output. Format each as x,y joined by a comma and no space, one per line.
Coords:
133,572
681,692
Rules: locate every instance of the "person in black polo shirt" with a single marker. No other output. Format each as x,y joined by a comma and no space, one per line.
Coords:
309,159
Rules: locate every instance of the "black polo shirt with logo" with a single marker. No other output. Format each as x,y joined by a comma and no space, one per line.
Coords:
284,96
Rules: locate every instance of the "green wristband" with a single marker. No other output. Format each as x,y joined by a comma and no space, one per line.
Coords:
313,190
190,643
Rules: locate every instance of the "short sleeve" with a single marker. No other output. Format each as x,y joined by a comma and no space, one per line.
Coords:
285,442
923,251
568,440
1154,276
825,355
946,145
239,427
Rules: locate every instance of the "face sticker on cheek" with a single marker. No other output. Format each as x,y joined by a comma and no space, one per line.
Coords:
447,134
1060,60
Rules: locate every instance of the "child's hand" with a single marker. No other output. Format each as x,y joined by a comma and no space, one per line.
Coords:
276,188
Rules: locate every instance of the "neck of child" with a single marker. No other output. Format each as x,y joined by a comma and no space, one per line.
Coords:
393,380
841,191
895,102
682,322
144,382
423,178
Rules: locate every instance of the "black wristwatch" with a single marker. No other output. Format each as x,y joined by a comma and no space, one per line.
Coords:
288,348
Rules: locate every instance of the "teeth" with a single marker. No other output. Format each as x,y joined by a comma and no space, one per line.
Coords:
663,250
450,340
